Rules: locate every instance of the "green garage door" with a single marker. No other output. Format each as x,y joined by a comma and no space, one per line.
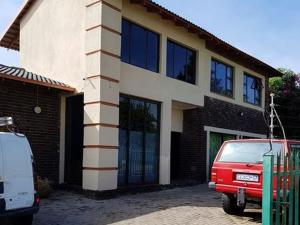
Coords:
216,141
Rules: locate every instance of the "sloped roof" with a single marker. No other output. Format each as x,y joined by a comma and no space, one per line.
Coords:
11,37
20,74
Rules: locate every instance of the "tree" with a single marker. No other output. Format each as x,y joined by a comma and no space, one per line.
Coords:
287,100
287,85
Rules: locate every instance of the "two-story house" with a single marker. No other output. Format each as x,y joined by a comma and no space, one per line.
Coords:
156,94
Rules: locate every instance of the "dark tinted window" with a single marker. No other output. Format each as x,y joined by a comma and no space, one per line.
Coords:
125,48
140,47
138,141
252,89
181,62
221,78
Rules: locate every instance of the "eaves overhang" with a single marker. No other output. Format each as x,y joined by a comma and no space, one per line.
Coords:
11,37
22,75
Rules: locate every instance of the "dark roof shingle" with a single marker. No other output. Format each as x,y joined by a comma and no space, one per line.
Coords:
20,74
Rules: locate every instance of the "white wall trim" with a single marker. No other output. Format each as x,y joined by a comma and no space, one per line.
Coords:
238,133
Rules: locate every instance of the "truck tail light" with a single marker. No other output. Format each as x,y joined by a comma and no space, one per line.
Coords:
213,175
37,200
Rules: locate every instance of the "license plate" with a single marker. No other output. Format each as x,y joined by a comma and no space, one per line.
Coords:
247,177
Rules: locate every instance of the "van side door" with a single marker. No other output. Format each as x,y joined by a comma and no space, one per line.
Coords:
18,173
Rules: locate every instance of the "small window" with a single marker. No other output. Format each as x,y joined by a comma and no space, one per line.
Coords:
252,89
181,62
140,46
221,78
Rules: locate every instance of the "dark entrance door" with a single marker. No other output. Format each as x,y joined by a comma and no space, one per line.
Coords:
138,141
175,155
74,140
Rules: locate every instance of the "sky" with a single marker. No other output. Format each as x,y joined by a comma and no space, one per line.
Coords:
266,29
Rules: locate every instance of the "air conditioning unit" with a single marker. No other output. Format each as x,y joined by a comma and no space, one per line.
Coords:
6,121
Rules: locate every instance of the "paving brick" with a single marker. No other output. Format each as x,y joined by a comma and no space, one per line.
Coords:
190,205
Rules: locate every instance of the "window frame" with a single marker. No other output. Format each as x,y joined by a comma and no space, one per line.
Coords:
215,74
187,48
158,64
246,74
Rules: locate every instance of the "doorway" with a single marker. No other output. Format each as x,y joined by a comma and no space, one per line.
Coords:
175,155
138,141
74,140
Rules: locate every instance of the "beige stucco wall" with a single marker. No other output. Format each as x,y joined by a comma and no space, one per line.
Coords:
158,86
177,120
52,40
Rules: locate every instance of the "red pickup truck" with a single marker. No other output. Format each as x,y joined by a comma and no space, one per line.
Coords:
237,170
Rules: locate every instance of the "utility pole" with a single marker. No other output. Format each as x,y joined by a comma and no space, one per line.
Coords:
272,115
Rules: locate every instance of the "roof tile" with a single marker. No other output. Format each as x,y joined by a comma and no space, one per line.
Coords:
20,74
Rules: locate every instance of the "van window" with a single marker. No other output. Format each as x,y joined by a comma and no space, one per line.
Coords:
248,152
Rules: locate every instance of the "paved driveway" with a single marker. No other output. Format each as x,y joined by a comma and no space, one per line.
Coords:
189,205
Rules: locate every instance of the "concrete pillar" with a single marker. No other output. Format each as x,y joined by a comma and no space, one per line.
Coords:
165,142
101,94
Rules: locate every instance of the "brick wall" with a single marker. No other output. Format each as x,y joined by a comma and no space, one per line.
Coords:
215,113
42,130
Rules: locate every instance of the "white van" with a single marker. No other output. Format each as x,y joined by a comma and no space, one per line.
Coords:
18,198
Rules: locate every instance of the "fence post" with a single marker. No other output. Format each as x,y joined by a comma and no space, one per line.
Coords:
268,165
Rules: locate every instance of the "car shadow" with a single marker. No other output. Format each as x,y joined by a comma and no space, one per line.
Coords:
253,216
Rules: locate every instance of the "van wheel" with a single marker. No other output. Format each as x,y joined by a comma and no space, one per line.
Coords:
230,207
23,220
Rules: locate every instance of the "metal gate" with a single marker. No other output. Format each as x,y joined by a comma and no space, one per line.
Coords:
281,188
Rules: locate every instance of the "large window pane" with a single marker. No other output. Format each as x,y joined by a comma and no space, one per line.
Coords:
151,157
252,89
123,140
139,142
181,62
221,78
125,50
122,162
151,142
138,44
191,66
153,51
170,59
136,142
140,47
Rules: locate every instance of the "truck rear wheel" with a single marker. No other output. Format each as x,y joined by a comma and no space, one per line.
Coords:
230,207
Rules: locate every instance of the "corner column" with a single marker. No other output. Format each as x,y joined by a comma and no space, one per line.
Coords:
165,143
101,94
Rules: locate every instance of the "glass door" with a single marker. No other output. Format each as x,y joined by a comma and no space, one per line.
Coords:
138,141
